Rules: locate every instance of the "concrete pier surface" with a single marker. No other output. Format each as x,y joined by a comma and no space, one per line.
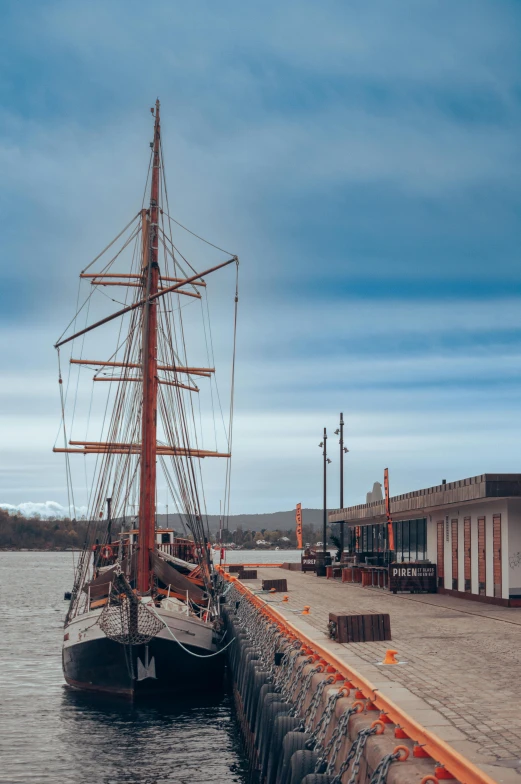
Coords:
462,677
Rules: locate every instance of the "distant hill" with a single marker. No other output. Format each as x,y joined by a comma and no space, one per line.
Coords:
17,531
253,522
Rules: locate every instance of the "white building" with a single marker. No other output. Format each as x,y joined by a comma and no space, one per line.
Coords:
471,530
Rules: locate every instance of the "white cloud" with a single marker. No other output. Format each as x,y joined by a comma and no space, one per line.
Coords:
44,508
263,107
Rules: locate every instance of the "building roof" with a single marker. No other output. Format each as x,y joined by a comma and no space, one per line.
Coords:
471,489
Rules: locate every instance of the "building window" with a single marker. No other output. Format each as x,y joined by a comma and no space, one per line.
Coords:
410,538
370,544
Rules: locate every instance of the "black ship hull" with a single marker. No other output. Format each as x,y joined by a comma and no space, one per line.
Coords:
159,668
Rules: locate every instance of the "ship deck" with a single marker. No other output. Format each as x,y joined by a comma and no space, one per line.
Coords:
463,659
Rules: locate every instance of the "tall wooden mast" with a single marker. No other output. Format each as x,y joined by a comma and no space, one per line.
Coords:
147,498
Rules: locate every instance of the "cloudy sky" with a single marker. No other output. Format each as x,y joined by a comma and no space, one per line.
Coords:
364,161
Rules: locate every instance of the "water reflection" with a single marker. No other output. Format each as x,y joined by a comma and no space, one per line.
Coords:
154,742
49,733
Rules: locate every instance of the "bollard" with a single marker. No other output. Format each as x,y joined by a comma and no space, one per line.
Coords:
390,657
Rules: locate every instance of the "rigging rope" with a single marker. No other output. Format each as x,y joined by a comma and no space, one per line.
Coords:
197,655
197,235
232,401
115,475
95,287
111,243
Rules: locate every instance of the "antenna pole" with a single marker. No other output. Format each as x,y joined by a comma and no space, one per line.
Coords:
147,497
109,520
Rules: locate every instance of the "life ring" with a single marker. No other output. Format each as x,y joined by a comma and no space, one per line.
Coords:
106,552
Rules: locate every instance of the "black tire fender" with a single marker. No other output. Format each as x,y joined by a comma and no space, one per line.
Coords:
275,709
293,741
302,763
281,727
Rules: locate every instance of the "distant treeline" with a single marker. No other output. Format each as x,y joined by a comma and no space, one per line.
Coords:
36,533
17,532
272,521
280,537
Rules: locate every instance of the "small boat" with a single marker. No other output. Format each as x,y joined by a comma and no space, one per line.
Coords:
143,617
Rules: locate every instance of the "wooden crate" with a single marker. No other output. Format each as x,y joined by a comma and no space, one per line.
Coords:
360,627
292,567
279,585
338,626
248,574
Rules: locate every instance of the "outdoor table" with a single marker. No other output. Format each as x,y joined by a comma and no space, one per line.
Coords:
374,575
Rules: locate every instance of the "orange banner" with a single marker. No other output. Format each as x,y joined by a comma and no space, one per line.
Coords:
298,519
390,532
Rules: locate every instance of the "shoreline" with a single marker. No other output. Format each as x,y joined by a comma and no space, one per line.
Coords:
79,549
40,549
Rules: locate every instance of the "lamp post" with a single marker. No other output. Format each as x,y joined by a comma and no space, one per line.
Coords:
321,568
343,451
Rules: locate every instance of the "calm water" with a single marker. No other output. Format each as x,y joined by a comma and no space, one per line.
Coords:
49,733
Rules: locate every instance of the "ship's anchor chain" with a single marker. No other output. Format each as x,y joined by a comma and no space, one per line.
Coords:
311,711
262,638
295,711
266,640
286,679
333,747
257,632
382,769
319,733
289,686
355,754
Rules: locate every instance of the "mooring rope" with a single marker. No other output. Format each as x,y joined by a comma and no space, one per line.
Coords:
197,655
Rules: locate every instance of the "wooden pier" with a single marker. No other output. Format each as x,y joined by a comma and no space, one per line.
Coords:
459,676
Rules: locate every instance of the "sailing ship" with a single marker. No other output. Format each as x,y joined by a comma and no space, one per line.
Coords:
143,617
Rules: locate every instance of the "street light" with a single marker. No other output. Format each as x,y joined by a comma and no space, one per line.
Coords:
343,451
321,568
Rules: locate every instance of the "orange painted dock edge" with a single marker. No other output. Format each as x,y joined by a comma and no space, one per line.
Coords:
455,763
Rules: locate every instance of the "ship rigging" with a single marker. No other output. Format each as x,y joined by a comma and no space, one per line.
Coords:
144,608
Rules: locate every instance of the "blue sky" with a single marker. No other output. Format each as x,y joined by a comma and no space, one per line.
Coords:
364,161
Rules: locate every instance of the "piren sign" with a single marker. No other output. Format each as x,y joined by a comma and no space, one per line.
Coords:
412,577
309,563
